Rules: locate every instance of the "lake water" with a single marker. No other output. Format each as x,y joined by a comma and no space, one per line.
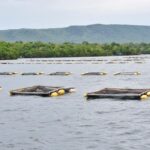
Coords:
71,122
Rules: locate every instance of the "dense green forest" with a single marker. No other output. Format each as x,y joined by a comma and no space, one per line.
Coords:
39,49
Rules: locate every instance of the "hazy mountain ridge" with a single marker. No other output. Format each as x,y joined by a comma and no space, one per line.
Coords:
97,33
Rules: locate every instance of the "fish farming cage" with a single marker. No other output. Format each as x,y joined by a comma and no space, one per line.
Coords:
8,73
127,73
94,73
60,73
117,93
32,73
44,91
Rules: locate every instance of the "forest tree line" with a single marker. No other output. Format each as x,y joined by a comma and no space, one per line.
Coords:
39,49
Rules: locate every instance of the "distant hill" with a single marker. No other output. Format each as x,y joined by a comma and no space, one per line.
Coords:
97,33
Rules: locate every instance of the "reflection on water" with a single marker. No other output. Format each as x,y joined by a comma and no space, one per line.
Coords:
70,122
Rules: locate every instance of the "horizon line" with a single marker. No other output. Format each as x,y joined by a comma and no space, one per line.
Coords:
77,25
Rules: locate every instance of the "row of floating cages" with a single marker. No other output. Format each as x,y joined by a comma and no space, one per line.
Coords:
44,91
69,73
36,73
93,62
91,59
106,93
115,74
117,93
74,61
137,57
50,74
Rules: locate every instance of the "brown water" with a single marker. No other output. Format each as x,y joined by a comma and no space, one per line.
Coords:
70,122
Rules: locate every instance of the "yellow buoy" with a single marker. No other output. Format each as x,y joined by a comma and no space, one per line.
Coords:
40,73
61,92
143,97
54,94
67,73
148,93
85,94
137,73
10,93
103,73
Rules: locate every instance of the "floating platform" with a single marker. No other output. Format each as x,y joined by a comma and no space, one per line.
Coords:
8,73
94,73
32,73
45,91
60,73
117,93
127,73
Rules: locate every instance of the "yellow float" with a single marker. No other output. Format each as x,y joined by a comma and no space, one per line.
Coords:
144,97
148,93
54,94
61,92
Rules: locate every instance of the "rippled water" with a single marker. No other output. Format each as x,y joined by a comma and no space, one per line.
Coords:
70,122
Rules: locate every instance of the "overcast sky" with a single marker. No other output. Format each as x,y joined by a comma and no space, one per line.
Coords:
62,13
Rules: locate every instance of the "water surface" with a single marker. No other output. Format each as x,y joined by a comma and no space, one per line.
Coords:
70,122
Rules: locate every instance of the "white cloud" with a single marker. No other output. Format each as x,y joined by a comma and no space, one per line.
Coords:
56,13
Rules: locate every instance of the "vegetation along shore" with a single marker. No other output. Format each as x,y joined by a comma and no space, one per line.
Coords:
20,49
